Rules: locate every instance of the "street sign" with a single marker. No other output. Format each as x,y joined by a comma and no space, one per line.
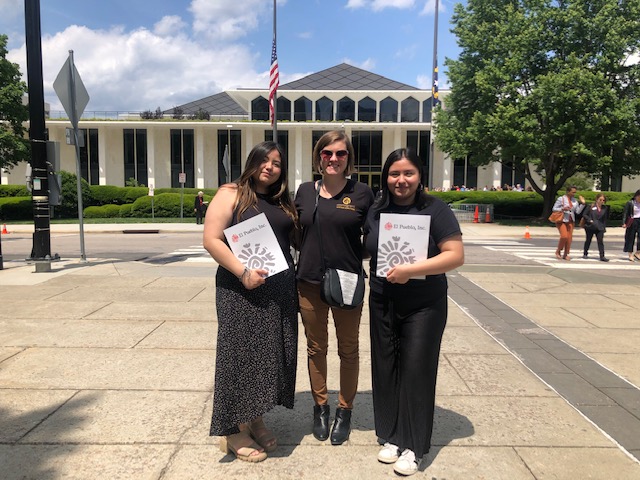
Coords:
63,86
182,177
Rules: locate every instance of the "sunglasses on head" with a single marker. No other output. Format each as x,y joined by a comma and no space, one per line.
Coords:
327,154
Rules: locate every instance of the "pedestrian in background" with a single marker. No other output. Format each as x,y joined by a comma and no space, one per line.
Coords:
568,205
257,315
595,223
408,316
631,222
342,204
200,207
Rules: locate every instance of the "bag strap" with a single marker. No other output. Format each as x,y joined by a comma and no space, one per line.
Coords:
316,217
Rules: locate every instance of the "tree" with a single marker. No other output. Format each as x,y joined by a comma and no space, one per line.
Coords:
549,85
14,147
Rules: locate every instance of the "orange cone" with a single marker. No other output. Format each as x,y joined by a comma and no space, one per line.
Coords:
4,229
527,235
476,217
487,216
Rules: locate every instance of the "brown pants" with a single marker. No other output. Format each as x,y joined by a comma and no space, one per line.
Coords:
566,237
315,315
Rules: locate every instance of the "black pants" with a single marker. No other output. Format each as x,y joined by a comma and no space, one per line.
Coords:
599,238
631,236
405,347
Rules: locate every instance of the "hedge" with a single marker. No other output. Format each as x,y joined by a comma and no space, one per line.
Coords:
16,208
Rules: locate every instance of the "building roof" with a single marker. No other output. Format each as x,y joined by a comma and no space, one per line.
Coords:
218,104
339,77
345,77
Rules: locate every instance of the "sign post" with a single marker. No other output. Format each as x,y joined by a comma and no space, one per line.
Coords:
74,98
151,195
182,178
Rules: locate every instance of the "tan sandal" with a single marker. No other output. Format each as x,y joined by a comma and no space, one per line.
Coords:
262,435
242,441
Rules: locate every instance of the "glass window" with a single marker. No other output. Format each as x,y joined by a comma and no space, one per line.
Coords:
231,141
302,110
465,174
510,175
283,110
324,110
410,109
426,111
260,109
389,110
315,136
420,141
182,157
135,155
346,109
367,110
89,161
283,140
368,150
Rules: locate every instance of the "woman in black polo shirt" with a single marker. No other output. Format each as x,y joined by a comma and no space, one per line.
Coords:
408,315
342,207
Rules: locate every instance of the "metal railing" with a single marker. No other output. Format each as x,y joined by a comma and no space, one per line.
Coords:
466,212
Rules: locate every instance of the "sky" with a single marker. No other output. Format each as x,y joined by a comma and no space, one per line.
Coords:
135,55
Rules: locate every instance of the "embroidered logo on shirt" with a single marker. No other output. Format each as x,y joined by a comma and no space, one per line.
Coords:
346,205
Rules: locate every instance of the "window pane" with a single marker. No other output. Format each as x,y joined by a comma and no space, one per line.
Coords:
324,110
176,156
367,110
141,156
389,110
129,154
346,109
188,157
302,110
410,109
260,109
283,111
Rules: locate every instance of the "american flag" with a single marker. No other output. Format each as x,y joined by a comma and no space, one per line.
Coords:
274,81
434,89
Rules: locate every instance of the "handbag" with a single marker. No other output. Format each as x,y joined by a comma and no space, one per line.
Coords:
629,221
556,217
338,288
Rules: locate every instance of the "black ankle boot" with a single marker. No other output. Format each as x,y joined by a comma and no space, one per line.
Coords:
321,422
341,427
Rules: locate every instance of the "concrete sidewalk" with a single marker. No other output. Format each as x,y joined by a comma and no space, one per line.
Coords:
106,370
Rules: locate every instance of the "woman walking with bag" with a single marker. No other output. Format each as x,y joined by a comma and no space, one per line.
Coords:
408,314
631,222
257,316
595,223
568,206
341,205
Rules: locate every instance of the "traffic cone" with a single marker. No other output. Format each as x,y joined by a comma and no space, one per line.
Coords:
476,217
487,216
4,229
527,235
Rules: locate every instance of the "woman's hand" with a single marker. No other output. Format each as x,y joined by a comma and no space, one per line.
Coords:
254,278
581,198
398,274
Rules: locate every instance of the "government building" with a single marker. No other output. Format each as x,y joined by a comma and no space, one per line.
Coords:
378,113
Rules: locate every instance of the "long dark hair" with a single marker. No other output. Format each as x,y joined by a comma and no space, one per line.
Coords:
278,192
421,200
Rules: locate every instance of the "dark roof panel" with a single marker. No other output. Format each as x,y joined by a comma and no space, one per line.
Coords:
218,104
345,77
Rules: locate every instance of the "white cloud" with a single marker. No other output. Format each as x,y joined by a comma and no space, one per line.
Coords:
169,25
423,82
139,70
377,5
430,7
305,35
368,64
228,20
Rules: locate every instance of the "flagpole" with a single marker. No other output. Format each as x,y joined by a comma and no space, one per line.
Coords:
275,92
434,99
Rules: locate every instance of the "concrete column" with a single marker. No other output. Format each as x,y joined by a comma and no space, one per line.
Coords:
199,180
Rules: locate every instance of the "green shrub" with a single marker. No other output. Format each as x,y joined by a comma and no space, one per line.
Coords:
16,208
165,205
14,191
69,204
125,210
103,211
110,194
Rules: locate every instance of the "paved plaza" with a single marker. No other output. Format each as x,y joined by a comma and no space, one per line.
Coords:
106,371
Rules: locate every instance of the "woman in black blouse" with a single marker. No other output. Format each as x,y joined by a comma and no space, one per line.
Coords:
595,223
408,315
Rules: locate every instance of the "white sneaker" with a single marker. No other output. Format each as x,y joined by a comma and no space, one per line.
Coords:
389,453
406,464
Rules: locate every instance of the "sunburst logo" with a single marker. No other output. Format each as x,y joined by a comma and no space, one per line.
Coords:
394,253
346,201
256,256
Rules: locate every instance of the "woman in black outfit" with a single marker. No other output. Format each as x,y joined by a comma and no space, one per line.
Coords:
595,223
408,316
631,221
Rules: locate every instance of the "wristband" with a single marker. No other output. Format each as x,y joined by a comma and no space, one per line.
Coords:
244,272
